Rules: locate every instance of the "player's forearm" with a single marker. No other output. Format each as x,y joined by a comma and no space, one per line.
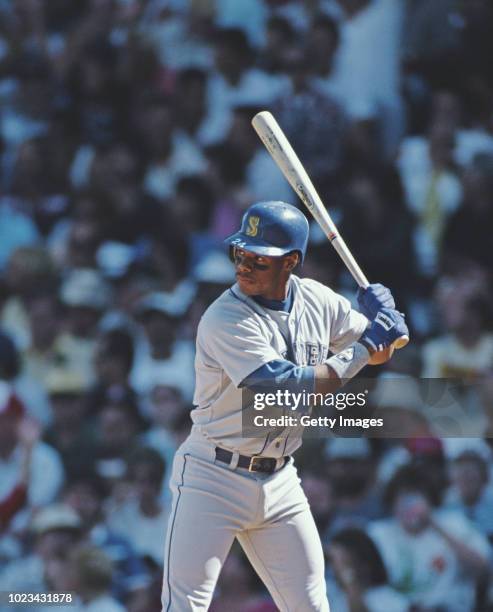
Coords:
340,368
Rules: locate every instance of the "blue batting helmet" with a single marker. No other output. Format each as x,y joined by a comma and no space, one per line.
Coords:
273,229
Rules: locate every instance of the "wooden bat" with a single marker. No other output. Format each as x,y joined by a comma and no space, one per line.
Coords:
283,154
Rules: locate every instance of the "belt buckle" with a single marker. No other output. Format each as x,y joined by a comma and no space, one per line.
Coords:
251,467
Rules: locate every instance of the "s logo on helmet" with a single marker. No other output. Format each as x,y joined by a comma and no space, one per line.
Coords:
252,229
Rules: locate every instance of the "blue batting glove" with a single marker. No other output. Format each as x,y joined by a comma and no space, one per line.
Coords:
385,329
374,298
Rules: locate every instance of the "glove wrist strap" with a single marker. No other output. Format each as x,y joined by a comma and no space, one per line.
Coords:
350,361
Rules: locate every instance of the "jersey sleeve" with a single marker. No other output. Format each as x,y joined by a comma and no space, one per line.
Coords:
282,374
346,324
237,346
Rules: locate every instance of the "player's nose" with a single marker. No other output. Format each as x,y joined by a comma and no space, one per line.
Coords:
243,263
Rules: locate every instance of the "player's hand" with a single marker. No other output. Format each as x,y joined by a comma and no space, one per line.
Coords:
374,298
385,329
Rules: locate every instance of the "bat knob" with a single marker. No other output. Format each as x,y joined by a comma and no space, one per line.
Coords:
401,342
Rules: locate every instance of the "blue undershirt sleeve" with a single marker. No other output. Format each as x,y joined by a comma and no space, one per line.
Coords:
281,374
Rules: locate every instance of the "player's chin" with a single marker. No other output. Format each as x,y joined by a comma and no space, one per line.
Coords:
247,285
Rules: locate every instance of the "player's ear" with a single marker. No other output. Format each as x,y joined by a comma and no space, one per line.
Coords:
292,260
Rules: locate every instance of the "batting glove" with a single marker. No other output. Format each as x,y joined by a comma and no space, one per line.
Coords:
385,329
374,298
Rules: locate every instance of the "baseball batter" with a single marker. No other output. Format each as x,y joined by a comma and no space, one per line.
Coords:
274,327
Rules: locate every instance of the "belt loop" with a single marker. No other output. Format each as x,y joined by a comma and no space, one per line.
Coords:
234,460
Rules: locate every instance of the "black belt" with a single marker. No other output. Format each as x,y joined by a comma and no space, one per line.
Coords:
252,464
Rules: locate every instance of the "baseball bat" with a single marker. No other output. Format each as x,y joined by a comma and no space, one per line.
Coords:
283,154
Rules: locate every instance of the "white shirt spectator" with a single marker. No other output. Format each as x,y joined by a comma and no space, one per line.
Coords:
424,567
265,181
480,514
446,357
375,599
250,16
177,371
46,476
469,143
416,172
255,87
145,534
366,76
185,159
175,46
16,230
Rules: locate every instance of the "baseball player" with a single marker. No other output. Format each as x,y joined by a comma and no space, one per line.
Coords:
271,326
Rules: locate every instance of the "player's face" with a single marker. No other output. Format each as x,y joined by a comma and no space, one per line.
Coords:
262,275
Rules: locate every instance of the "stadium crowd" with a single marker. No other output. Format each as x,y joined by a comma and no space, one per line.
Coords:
126,156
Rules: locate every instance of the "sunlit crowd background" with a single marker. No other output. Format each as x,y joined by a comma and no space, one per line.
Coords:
126,156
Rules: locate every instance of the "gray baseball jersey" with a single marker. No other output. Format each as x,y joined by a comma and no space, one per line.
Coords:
236,336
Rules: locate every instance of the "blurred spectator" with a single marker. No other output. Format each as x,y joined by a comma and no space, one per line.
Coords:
56,529
29,390
193,204
30,270
263,179
471,492
238,588
320,495
142,519
17,230
214,274
355,501
92,572
179,38
70,433
279,40
116,177
361,577
46,472
84,227
28,433
431,184
431,42
169,154
319,143
249,17
190,100
97,104
87,496
85,295
465,351
373,202
119,423
366,68
45,313
162,356
433,556
465,231
235,82
113,359
166,410
226,175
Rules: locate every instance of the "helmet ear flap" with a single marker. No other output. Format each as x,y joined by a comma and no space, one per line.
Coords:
232,253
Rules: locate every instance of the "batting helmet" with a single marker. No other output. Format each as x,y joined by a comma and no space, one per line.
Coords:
273,229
